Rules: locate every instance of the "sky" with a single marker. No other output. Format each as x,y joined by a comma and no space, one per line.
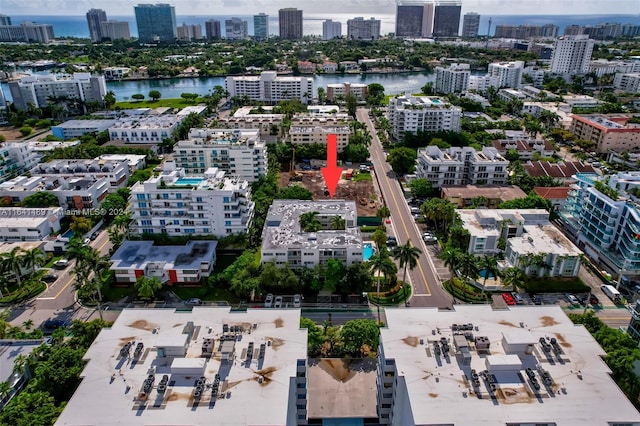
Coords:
358,7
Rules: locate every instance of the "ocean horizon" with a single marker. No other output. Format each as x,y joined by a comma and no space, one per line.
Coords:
76,26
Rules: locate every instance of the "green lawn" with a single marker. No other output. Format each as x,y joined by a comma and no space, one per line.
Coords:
148,103
357,177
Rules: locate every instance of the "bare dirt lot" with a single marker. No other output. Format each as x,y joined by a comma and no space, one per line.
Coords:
362,191
11,133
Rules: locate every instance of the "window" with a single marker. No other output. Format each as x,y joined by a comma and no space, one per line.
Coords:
179,196
165,196
226,199
140,196
162,222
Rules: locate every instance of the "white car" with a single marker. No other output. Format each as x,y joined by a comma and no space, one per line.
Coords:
61,264
572,300
268,301
297,300
429,238
278,303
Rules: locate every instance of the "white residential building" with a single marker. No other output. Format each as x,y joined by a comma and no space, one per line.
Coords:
314,128
134,161
41,90
331,29
239,153
412,114
269,87
581,101
285,242
245,118
144,129
115,73
363,29
526,148
74,129
572,54
337,91
461,166
509,74
27,224
178,204
481,83
116,172
629,82
454,79
16,158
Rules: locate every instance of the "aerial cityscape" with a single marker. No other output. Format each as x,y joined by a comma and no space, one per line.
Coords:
420,212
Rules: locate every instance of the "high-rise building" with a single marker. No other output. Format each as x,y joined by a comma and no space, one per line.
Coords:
114,30
94,18
361,29
331,29
236,29
446,21
261,26
5,20
156,22
572,55
454,79
508,74
414,18
410,114
189,32
27,32
39,89
470,25
270,88
290,23
212,28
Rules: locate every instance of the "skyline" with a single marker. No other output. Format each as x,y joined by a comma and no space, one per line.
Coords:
360,7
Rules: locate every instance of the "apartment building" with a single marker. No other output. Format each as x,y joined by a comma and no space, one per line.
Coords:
414,19
454,79
470,25
175,204
526,148
508,74
340,91
481,83
461,166
607,132
16,158
27,32
363,29
420,113
290,23
261,26
239,153
74,129
270,88
116,172
627,82
236,29
144,129
331,29
489,196
564,171
267,123
41,90
25,224
315,127
115,30
284,241
572,54
156,22
189,32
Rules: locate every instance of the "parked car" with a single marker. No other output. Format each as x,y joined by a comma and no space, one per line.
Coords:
392,241
297,300
50,278
194,301
573,300
61,264
278,303
94,235
508,298
517,298
268,301
54,324
593,300
429,238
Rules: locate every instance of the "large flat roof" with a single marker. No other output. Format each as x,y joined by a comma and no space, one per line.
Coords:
250,393
9,351
439,389
503,192
138,254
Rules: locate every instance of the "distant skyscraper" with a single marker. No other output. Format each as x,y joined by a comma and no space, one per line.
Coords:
331,29
571,30
94,18
414,19
470,25
27,32
189,32
446,21
5,20
114,30
290,23
236,29
212,28
156,22
572,54
261,26
361,29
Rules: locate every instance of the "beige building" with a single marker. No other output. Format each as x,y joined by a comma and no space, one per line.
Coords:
341,90
609,133
464,195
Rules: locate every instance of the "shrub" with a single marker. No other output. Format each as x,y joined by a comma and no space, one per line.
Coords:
26,130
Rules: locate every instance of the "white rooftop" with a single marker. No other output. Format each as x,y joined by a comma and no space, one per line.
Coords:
22,217
439,390
544,239
254,393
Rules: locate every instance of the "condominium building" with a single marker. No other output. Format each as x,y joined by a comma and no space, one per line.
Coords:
146,129
481,83
25,224
414,19
446,18
572,54
331,29
239,153
75,129
175,203
16,158
284,241
363,29
212,29
189,32
290,23
116,172
236,29
339,91
270,88
94,18
454,79
268,124
5,20
317,134
261,26
527,149
41,90
526,31
470,25
27,32
419,113
73,192
206,366
461,166
563,171
512,366
627,82
156,22
115,30
607,132
508,74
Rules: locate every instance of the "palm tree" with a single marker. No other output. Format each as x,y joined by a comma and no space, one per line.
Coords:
490,266
380,264
513,277
13,262
5,390
452,258
408,256
28,324
33,258
469,269
309,222
337,223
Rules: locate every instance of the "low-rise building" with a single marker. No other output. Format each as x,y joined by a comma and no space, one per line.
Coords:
16,158
270,88
481,83
489,196
607,132
116,172
15,375
556,195
115,73
285,241
581,101
144,129
526,148
170,264
192,109
40,90
317,134
209,365
410,114
340,91
511,95
477,365
563,171
29,224
135,161
175,203
74,129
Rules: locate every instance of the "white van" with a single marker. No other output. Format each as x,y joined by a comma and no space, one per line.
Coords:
611,291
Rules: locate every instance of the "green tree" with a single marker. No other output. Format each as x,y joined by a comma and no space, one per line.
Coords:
490,266
375,94
383,212
113,205
379,237
109,99
26,130
309,222
33,258
147,287
137,96
360,337
155,95
379,264
337,223
80,225
315,338
421,188
355,152
13,262
334,271
352,104
31,408
452,259
440,211
513,277
40,199
402,160
531,201
356,280
407,256
295,192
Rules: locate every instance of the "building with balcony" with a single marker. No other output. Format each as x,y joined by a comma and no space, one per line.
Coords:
489,196
239,153
207,366
144,129
481,83
304,134
290,23
284,241
607,132
27,32
627,82
478,365
41,90
526,148
189,32
508,74
116,172
115,30
175,203
331,29
420,113
270,88
363,29
267,123
26,224
470,25
74,129
236,29
461,166
454,79
572,54
339,91
564,172
170,264
16,158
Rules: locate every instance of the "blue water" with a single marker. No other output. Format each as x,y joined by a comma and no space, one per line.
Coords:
68,234
367,251
188,181
483,274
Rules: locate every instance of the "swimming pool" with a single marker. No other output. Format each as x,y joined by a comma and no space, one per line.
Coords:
367,251
483,274
189,181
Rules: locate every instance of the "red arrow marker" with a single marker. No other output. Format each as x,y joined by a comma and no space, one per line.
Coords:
332,172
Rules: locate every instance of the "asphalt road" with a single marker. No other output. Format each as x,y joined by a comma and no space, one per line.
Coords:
427,290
